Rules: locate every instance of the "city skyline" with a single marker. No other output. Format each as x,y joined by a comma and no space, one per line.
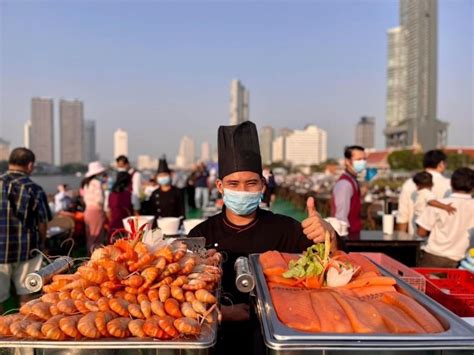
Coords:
300,67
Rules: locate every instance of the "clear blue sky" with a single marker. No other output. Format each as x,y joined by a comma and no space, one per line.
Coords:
163,69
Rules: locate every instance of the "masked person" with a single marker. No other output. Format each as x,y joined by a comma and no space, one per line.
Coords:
166,200
346,195
242,229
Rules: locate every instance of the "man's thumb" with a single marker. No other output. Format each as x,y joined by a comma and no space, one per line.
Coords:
310,206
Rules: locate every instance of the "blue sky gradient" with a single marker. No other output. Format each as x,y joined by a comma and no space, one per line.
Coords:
161,70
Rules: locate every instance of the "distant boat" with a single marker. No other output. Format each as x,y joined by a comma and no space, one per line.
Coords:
78,174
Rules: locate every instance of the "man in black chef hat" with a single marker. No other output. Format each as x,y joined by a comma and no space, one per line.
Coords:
242,229
166,200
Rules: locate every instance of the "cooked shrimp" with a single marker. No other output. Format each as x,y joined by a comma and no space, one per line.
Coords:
199,307
26,308
130,297
149,275
18,328
166,323
142,297
133,281
145,307
87,327
131,290
64,295
166,281
189,296
33,330
172,308
165,252
50,297
118,327
135,327
41,310
103,304
205,296
127,249
81,306
177,293
153,295
53,309
68,325
188,326
119,306
135,311
92,306
180,281
51,329
95,275
101,321
180,250
188,311
158,308
164,293
6,321
193,285
171,269
78,294
187,264
93,293
153,329
160,264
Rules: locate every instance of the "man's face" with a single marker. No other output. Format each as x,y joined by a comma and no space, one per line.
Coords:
441,166
356,155
241,181
122,165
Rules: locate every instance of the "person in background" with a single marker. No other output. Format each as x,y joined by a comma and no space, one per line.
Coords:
202,188
191,188
62,199
151,186
449,234
94,199
120,202
24,214
166,200
346,195
434,163
243,228
269,195
425,197
135,183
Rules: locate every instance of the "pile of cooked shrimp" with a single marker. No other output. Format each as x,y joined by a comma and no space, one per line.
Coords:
125,290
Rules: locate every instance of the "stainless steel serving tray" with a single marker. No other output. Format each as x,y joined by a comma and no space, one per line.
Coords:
459,334
206,340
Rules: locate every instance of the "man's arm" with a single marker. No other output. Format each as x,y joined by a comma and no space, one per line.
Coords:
444,206
404,207
136,187
342,194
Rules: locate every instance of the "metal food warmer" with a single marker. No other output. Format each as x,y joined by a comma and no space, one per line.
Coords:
458,338
200,345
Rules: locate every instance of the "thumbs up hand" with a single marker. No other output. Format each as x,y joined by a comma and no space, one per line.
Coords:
314,227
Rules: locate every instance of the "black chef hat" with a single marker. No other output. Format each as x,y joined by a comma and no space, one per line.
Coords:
238,149
163,166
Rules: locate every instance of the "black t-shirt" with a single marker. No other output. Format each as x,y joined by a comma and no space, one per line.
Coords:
268,231
166,203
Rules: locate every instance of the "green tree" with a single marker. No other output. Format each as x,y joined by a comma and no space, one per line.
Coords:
456,160
405,160
73,168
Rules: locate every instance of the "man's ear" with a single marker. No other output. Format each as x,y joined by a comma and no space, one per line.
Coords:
30,167
220,186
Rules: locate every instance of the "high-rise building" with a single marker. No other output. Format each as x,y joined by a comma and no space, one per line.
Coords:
90,153
279,146
266,140
27,134
239,103
365,132
71,125
205,152
4,149
42,128
185,158
306,147
146,162
120,143
412,78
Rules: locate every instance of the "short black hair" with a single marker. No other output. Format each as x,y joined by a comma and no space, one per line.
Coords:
423,179
463,180
21,157
348,150
122,159
432,158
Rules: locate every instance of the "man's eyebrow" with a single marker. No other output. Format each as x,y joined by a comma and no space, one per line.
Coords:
251,180
230,181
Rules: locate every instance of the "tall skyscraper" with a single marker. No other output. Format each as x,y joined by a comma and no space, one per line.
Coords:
266,140
90,153
42,128
185,158
205,152
27,134
279,146
307,147
120,143
4,149
71,124
239,102
365,132
412,78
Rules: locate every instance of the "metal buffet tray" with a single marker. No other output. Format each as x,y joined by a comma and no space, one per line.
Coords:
277,336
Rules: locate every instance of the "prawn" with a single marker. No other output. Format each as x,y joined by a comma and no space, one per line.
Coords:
205,296
68,325
172,308
51,329
180,250
158,308
135,327
149,275
33,330
118,327
133,281
67,306
86,326
101,321
188,326
119,306
145,307
93,293
188,311
41,310
153,329
166,323
164,293
177,293
165,252
135,311
193,285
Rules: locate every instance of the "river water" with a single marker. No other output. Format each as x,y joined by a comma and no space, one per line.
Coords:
49,183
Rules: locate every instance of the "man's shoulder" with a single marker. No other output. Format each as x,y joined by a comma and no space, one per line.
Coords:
281,219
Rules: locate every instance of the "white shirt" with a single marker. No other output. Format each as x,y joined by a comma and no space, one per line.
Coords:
422,197
450,234
136,187
406,201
